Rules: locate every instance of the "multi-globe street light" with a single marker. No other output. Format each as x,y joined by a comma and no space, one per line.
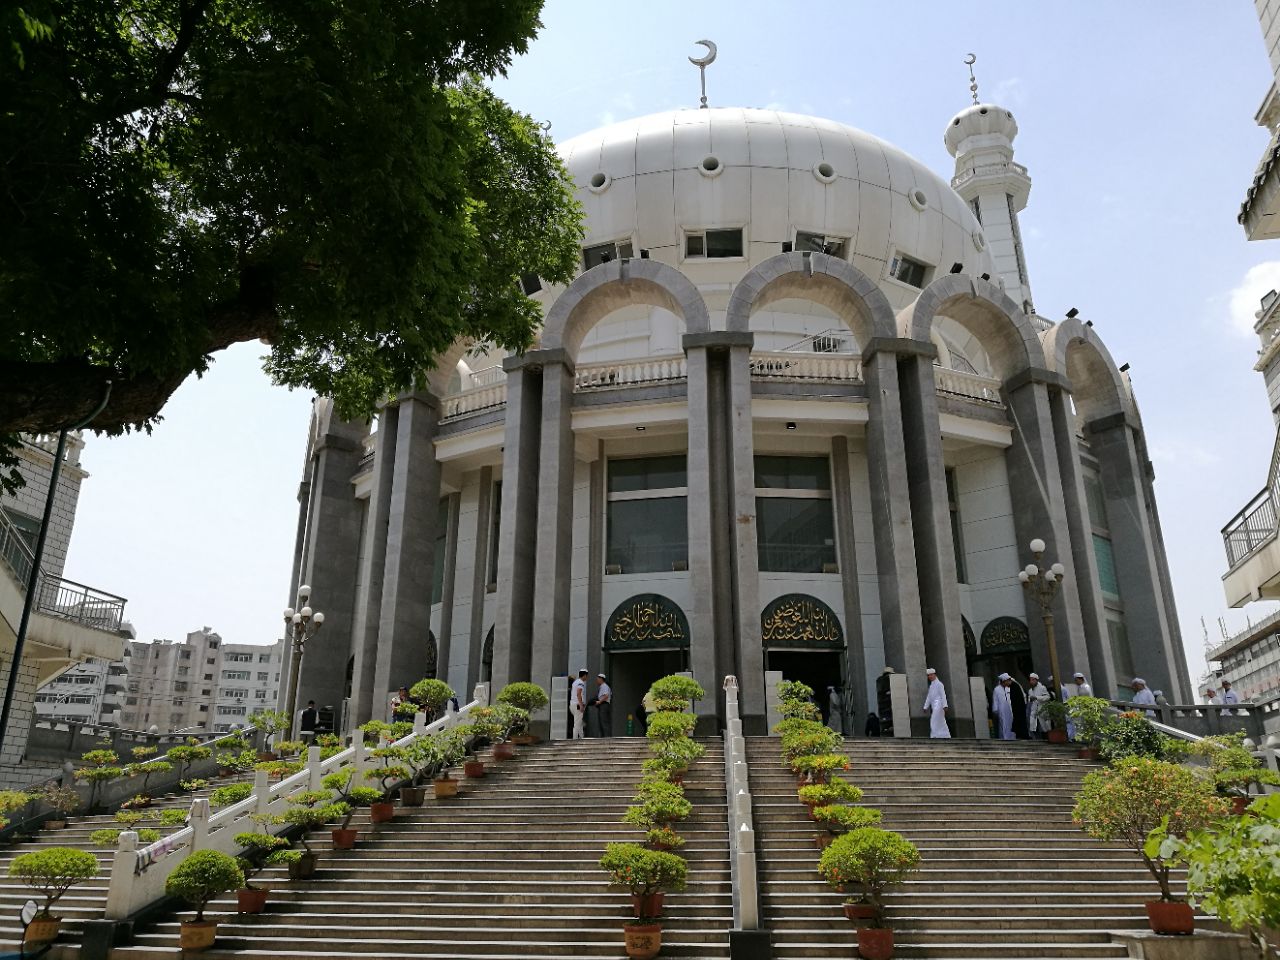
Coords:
300,625
1043,584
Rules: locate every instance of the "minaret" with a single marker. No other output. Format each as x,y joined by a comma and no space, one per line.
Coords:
996,189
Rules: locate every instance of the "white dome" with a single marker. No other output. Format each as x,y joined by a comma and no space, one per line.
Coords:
652,179
980,120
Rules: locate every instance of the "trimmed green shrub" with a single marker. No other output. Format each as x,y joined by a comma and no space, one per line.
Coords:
173,817
675,692
526,696
53,872
794,690
679,753
431,694
643,871
110,836
669,725
1130,735
869,859
836,818
818,767
810,742
664,837
834,790
258,849
204,875
1232,767
231,793
1091,717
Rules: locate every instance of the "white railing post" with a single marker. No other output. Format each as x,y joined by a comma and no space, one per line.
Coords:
314,770
123,866
261,792
481,694
450,716
199,823
749,915
359,760
420,722
742,846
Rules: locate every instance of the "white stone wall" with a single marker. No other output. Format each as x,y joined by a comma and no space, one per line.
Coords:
21,712
36,467
990,543
1269,19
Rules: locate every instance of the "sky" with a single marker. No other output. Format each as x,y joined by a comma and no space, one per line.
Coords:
1136,124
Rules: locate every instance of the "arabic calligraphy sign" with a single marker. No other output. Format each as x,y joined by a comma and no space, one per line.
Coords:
970,641
798,620
1005,635
647,621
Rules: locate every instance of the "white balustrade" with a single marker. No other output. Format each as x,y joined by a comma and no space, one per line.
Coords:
630,373
787,365
488,376
968,386
138,874
475,400
742,836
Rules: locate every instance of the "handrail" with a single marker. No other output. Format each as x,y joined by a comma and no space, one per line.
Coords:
1250,528
742,834
1266,751
138,874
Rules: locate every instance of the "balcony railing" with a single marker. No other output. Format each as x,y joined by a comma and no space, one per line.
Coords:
630,373
968,386
475,400
1250,528
788,365
56,596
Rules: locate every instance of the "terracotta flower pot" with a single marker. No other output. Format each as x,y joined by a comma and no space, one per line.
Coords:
197,935
382,811
1057,736
1171,917
42,930
1088,753
344,839
412,796
304,868
504,751
446,787
473,768
524,739
860,912
643,940
251,900
875,943
264,755
647,905
823,840
55,825
1239,805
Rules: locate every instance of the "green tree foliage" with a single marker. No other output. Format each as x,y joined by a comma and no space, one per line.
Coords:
202,876
53,872
332,177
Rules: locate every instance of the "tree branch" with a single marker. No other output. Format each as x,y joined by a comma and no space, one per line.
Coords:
158,91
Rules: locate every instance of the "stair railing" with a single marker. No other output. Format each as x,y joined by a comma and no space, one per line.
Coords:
742,834
138,874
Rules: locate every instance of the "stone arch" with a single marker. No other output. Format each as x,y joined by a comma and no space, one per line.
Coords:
646,621
1098,389
1004,331
446,365
620,283
834,283
798,620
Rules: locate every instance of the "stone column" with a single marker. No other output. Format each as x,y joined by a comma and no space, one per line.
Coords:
596,662
513,626
1113,441
903,629
475,626
444,641
552,575
1036,491
940,615
1099,668
412,518
329,562
855,684
374,555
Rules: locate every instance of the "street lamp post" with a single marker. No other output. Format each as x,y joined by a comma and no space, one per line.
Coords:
1042,584
300,625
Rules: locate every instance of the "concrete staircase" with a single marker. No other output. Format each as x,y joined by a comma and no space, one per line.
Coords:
1005,874
86,901
507,869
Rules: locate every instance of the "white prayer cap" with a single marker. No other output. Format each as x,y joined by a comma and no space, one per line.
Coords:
1078,675
602,676
1004,676
1158,693
1139,680
930,670
1033,676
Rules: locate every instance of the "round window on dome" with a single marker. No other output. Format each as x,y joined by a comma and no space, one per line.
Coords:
918,199
599,182
983,111
711,166
824,171
979,241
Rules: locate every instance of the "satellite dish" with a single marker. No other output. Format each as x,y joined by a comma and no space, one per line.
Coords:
28,912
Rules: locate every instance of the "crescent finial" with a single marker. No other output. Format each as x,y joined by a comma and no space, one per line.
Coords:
702,63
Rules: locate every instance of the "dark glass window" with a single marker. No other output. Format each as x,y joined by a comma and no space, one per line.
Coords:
1106,560
648,473
793,473
495,528
796,535
909,271
442,542
713,243
648,535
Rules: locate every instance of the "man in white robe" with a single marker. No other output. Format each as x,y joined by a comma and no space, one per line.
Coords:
935,704
1079,687
835,710
1037,696
1002,708
1143,696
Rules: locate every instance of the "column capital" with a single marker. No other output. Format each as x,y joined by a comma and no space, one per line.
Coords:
334,441
902,346
718,340
536,360
1049,378
1111,422
416,396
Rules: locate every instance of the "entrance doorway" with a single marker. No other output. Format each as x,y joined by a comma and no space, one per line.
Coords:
818,669
631,674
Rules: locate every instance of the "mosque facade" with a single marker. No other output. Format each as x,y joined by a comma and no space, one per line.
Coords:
798,412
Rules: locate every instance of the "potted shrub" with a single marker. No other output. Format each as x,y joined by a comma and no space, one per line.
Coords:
528,697
344,836
481,731
391,769
663,838
509,719
1089,718
801,743
818,768
431,695
288,749
204,875
1130,735
676,693
835,819
259,849
1231,868
679,754
102,766
1233,768
451,750
834,790
869,859
308,811
230,794
1134,796
657,803
422,756
796,701
51,873
64,800
647,875
267,722
146,768
1055,711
